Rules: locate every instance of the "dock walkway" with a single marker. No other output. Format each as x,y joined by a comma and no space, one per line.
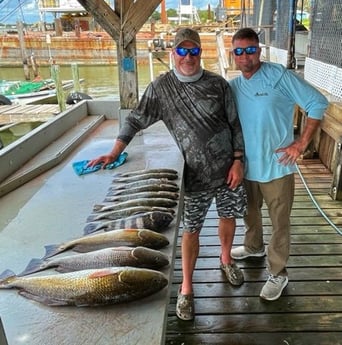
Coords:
28,113
310,309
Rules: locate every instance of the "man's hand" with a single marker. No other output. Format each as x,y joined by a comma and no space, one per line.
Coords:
105,159
290,153
235,174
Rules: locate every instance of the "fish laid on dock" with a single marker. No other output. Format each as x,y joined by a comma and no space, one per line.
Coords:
166,187
126,212
156,221
143,195
94,287
151,202
115,238
144,182
115,256
146,171
146,177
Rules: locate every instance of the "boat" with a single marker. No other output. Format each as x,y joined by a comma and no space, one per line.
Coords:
24,92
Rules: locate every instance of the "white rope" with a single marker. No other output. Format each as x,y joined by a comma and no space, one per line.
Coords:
316,204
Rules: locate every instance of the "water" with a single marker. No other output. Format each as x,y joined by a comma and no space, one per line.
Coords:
99,81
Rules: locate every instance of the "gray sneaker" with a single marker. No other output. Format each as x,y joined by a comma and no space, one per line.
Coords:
185,309
274,287
242,252
233,273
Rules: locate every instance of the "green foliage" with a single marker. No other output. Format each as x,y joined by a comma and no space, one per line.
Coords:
155,16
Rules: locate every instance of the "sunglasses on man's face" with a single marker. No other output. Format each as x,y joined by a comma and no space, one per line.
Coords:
185,51
248,50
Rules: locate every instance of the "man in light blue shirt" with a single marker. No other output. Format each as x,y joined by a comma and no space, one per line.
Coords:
266,94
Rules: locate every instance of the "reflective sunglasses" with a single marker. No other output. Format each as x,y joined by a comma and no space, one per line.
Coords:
185,51
248,50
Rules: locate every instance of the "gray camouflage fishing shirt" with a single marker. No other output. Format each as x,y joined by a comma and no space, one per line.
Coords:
202,118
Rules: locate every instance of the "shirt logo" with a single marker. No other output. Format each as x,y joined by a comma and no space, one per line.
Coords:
261,94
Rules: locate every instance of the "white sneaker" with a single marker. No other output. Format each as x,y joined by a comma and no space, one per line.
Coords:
274,287
242,252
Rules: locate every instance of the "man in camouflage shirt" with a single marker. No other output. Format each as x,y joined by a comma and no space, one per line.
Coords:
198,109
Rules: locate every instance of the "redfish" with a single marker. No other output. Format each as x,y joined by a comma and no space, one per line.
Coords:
94,287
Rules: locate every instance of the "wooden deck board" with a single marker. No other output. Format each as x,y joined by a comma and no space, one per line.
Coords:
28,113
310,309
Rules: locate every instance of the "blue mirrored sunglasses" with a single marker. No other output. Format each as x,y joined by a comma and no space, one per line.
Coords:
248,50
185,51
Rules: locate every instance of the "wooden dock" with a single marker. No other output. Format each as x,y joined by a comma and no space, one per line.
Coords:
27,113
310,309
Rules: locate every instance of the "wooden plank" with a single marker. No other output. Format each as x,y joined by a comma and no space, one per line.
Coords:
297,338
28,113
310,308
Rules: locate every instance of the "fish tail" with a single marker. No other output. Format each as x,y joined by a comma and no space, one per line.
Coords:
91,227
92,218
5,279
109,199
35,265
97,207
51,250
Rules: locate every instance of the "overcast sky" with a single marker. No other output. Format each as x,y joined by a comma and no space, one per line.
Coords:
12,11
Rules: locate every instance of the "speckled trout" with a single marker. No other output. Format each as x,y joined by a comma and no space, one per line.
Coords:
150,181
143,195
114,238
147,171
134,178
94,287
107,257
166,187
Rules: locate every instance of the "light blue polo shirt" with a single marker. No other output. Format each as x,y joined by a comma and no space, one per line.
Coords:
265,104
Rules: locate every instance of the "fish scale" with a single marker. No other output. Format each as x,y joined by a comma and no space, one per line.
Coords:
114,238
93,287
114,256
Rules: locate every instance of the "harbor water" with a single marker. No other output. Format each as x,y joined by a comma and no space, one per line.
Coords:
99,80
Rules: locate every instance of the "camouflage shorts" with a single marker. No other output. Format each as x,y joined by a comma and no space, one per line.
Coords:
229,203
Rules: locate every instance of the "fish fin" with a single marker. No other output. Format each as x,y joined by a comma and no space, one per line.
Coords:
43,299
103,273
91,227
7,274
109,199
51,250
97,207
92,218
35,265
62,269
117,175
81,248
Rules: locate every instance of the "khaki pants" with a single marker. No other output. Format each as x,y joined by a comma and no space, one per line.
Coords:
278,195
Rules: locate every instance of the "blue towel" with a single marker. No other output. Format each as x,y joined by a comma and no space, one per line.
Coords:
80,167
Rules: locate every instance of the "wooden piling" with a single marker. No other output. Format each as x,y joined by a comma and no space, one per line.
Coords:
55,73
75,77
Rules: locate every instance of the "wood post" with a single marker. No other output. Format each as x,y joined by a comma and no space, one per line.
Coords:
75,77
55,73
336,186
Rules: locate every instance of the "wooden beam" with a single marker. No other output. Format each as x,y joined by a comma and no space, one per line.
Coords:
104,16
336,187
122,23
136,16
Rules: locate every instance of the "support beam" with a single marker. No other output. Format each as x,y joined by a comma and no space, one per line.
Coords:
122,23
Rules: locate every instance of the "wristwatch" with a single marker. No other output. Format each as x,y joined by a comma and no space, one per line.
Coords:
238,158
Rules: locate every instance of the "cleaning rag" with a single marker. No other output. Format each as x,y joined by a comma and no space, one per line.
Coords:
81,168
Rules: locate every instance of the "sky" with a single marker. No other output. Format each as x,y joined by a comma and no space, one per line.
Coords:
26,11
